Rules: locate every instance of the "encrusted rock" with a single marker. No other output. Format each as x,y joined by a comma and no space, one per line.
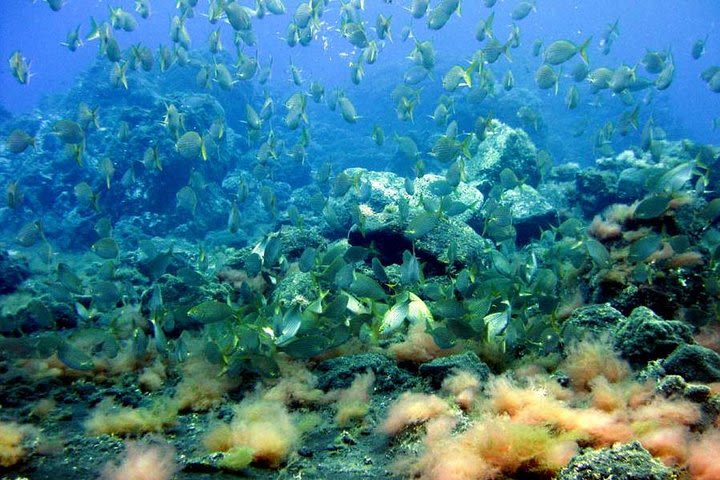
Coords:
694,363
436,370
644,336
621,462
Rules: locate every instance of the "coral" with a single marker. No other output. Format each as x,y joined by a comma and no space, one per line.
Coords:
593,358
419,346
493,447
604,229
413,409
109,418
155,461
353,402
296,385
11,449
202,386
464,387
703,461
264,427
152,377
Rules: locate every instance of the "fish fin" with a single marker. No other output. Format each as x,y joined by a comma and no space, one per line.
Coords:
582,50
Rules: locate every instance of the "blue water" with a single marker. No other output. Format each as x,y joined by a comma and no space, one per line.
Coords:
37,31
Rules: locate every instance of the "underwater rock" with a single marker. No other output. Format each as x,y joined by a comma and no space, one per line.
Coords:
295,289
463,193
383,223
295,240
694,363
13,271
505,147
436,370
593,320
339,373
621,462
674,386
644,336
530,212
631,184
595,190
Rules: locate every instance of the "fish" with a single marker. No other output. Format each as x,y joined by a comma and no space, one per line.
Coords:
118,75
276,7
103,227
508,81
107,169
269,200
295,75
546,78
493,49
106,248
317,91
572,98
418,8
580,72
143,8
20,67
357,72
143,56
73,41
561,51
187,199
215,42
382,27
484,28
654,61
88,116
666,76
483,125
347,110
713,83
514,38
405,108
440,15
191,146
370,53
522,10
30,234
55,5
529,115
537,47
415,75
424,54
489,3
121,19
600,78
238,16
612,31
210,311
406,33
68,131
458,76
355,34
698,48
446,149
378,135
86,196
13,195
407,147
441,114
234,218
18,141
223,77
